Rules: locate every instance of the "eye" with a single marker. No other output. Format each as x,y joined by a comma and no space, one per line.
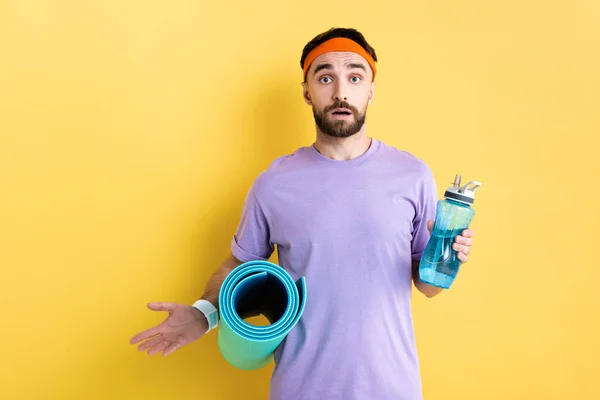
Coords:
355,79
325,79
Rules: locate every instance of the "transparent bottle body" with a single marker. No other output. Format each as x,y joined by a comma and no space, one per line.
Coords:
439,263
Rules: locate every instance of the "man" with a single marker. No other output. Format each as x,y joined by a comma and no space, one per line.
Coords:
350,214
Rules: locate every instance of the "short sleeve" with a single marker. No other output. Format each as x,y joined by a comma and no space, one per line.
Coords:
251,240
427,199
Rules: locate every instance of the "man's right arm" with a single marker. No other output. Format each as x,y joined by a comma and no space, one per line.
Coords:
213,286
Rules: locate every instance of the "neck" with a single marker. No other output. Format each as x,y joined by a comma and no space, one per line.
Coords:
341,149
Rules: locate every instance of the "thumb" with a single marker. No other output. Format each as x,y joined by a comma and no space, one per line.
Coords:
430,226
162,306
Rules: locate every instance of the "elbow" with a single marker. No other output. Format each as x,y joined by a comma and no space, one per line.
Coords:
431,293
428,290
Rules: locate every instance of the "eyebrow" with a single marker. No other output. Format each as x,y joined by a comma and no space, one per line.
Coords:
348,66
322,66
357,65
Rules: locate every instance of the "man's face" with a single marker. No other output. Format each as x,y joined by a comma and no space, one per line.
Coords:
339,87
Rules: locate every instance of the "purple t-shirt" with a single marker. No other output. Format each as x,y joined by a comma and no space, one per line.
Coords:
352,228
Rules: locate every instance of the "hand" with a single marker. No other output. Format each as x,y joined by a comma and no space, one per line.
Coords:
462,243
184,325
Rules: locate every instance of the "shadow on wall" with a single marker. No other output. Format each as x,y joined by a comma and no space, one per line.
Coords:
276,122
279,121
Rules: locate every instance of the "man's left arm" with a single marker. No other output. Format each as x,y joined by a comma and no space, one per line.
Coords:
426,207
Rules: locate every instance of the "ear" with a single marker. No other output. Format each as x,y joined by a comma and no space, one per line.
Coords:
372,92
306,94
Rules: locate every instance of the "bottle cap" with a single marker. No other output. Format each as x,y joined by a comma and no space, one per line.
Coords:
464,194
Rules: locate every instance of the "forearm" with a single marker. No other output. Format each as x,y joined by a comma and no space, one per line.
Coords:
213,286
426,289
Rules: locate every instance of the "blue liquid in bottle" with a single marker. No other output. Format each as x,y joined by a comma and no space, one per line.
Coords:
439,263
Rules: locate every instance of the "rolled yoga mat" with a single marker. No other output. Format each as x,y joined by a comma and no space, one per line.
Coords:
251,289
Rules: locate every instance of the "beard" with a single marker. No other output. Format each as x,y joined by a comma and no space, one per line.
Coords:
339,128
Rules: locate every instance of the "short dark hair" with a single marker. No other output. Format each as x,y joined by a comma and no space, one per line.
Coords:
349,33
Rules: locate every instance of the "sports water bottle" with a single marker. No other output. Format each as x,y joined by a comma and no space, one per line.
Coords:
439,262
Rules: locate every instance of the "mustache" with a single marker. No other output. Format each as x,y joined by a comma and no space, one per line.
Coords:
340,104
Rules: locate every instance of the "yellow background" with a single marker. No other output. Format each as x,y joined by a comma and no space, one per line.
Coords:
130,132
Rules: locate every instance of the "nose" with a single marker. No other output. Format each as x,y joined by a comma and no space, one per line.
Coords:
339,94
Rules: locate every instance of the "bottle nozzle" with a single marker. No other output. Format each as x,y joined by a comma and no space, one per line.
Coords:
456,181
465,193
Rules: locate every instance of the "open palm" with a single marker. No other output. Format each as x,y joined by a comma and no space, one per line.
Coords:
184,325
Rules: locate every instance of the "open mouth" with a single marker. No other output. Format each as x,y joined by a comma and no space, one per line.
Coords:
341,111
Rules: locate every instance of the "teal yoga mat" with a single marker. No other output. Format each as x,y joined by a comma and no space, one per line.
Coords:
251,289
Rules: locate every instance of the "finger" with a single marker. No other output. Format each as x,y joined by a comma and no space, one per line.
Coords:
461,248
151,342
468,233
161,306
462,257
171,348
430,226
145,335
467,241
158,347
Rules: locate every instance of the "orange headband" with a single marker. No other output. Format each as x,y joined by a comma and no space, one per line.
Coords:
338,44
